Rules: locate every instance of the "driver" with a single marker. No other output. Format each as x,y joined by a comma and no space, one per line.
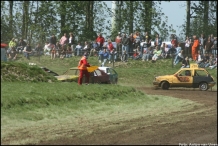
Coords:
187,73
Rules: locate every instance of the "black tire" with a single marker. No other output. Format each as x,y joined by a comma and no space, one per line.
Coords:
203,86
165,85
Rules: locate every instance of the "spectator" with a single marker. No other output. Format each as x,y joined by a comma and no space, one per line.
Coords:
64,40
157,54
100,40
112,52
166,51
71,41
21,45
13,54
58,49
158,41
53,40
105,56
214,64
202,41
208,46
137,53
27,51
86,48
187,47
47,48
178,58
12,44
118,41
210,61
147,39
137,39
53,52
124,56
68,52
211,37
178,49
174,41
3,52
195,47
125,45
200,59
78,50
185,63
39,50
100,55
214,46
131,44
95,49
147,54
62,52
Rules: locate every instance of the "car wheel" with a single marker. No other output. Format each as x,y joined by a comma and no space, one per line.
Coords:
165,85
203,86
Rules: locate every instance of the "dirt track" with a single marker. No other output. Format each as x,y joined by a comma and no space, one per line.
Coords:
197,126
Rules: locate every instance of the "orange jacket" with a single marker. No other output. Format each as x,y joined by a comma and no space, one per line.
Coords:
83,64
195,44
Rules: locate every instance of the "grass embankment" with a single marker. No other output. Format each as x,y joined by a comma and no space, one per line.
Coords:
31,112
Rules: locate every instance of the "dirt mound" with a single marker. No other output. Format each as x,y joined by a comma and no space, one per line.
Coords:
13,71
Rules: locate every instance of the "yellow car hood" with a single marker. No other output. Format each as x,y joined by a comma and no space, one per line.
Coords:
67,77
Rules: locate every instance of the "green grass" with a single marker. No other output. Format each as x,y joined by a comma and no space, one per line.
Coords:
33,109
39,107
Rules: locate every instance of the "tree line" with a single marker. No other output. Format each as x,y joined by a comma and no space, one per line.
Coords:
36,20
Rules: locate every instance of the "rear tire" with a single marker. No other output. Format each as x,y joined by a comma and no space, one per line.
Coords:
203,86
165,85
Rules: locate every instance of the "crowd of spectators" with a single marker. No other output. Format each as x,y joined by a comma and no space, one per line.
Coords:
202,50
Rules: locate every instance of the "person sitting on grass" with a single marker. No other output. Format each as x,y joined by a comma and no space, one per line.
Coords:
68,52
200,59
47,48
136,54
13,54
147,54
178,58
124,56
157,54
185,63
105,56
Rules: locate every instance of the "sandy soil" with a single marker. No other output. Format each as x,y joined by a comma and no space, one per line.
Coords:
198,125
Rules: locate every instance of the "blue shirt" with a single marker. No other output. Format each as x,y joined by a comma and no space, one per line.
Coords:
178,49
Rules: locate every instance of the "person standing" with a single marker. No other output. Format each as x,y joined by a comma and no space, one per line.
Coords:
202,41
100,40
118,41
195,47
125,45
3,52
158,41
187,47
82,66
131,41
53,40
63,40
71,41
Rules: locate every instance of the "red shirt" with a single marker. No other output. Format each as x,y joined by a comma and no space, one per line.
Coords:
174,43
118,39
110,47
100,39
